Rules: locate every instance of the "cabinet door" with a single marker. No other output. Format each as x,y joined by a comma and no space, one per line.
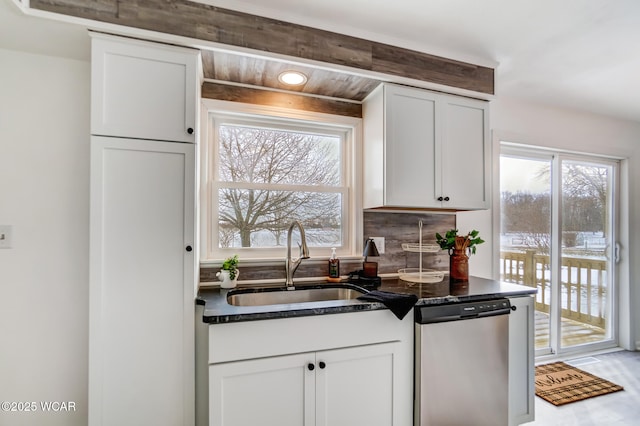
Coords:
521,361
141,283
465,154
409,149
267,391
357,386
143,90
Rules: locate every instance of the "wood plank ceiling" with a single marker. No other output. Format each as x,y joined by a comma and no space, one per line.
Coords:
260,72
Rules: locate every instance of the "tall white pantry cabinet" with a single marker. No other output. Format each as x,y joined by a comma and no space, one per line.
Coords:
143,260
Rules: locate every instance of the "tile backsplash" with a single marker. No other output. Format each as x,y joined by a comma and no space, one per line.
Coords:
401,227
396,228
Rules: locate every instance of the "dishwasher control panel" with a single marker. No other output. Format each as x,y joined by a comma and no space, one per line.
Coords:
460,311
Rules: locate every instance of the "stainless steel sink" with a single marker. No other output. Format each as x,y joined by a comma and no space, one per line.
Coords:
302,294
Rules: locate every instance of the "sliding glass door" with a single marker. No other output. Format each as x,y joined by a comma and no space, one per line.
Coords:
557,234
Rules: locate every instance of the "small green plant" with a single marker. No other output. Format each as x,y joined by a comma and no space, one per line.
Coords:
231,264
453,241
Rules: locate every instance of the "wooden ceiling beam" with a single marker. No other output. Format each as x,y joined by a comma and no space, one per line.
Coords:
209,23
249,95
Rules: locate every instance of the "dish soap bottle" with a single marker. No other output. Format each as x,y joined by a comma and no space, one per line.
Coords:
334,265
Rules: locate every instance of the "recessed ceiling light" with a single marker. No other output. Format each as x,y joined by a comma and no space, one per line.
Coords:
293,78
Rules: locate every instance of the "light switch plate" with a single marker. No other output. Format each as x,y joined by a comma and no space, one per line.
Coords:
5,236
379,244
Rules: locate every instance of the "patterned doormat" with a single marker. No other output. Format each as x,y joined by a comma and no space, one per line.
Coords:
560,383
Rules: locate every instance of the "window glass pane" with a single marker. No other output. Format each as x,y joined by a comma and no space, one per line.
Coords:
525,232
268,170
260,218
525,187
262,155
586,252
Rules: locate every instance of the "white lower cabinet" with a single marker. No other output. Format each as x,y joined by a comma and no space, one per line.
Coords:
348,386
356,386
142,270
268,391
521,360
369,383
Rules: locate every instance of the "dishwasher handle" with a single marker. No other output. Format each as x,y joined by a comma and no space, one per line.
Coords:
429,314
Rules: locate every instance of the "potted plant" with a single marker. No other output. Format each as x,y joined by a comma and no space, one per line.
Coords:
229,272
459,248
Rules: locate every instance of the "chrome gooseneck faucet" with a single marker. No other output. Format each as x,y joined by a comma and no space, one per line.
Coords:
291,265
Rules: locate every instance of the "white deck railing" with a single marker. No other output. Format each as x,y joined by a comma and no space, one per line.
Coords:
584,283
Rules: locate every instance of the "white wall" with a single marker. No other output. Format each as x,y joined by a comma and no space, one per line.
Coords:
544,126
44,194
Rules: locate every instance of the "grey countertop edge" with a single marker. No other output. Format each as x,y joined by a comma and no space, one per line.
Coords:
218,311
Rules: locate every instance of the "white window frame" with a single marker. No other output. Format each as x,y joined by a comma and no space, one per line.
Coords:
241,113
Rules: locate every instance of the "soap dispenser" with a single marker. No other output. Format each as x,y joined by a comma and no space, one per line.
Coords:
334,264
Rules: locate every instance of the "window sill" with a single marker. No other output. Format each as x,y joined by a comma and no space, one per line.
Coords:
215,263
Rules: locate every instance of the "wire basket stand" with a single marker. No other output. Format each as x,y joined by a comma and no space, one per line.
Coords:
420,275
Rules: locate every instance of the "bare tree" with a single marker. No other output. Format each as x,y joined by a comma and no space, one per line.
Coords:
585,181
263,158
528,215
585,192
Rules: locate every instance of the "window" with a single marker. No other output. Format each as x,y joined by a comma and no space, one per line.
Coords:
266,171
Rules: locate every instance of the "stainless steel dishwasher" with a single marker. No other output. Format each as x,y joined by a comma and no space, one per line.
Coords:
462,362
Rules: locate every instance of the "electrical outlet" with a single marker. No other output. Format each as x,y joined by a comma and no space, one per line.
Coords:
5,236
379,244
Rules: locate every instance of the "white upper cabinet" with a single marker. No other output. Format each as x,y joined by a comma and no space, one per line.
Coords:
465,159
410,148
425,150
144,90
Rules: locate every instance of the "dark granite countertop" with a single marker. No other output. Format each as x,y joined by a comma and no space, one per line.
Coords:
218,311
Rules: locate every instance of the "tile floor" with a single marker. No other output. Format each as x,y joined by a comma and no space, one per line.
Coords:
616,409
